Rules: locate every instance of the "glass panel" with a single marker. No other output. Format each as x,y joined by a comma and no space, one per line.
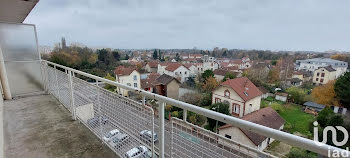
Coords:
19,49
24,77
18,42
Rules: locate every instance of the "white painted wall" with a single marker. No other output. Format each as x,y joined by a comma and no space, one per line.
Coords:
129,80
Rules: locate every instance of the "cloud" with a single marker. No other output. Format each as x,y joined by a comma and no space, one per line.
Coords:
249,24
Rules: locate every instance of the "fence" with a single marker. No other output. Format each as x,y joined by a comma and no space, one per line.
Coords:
102,111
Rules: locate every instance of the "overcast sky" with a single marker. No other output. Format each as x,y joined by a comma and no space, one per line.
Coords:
245,24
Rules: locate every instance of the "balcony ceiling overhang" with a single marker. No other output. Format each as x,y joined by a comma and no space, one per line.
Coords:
15,11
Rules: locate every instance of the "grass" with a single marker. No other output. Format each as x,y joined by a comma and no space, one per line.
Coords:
296,119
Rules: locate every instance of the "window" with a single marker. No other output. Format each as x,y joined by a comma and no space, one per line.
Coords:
135,77
228,136
250,105
135,84
235,108
185,72
227,93
217,100
129,84
321,80
322,75
318,74
316,79
180,73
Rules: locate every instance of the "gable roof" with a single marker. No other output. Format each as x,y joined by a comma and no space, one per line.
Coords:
188,65
173,66
153,64
328,68
266,117
147,83
124,71
220,72
243,87
164,80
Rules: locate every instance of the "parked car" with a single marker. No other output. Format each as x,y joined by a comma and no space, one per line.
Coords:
147,135
95,122
119,139
138,152
108,137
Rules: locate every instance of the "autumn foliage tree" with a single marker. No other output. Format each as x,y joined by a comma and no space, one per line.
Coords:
325,94
210,84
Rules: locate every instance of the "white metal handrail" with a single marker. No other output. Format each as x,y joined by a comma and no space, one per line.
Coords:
256,128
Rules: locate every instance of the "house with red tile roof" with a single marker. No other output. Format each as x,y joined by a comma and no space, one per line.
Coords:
128,76
242,96
151,67
265,117
176,70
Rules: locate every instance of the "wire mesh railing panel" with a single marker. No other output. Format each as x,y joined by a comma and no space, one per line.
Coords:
121,123
51,81
189,140
64,89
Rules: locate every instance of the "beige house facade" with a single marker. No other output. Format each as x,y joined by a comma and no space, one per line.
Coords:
323,75
242,96
266,117
128,76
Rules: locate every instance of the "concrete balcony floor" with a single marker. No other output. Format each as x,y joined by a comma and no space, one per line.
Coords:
39,126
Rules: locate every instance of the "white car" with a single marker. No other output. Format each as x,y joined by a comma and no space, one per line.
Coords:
119,139
108,137
147,135
137,152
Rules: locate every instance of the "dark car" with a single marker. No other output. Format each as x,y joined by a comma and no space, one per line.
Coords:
95,122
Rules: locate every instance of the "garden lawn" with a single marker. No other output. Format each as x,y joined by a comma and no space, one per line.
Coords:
296,119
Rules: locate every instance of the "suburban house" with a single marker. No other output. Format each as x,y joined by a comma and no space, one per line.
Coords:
240,94
146,84
266,117
281,96
166,85
316,63
219,74
128,76
294,82
176,70
151,67
323,75
193,69
260,70
303,75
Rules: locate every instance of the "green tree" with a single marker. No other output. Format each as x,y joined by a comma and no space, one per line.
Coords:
127,57
108,86
296,94
229,76
116,55
224,54
342,89
102,55
160,55
274,62
177,57
325,115
205,99
155,54
221,108
206,74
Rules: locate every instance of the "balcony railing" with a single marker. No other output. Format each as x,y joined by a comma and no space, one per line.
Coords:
101,111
